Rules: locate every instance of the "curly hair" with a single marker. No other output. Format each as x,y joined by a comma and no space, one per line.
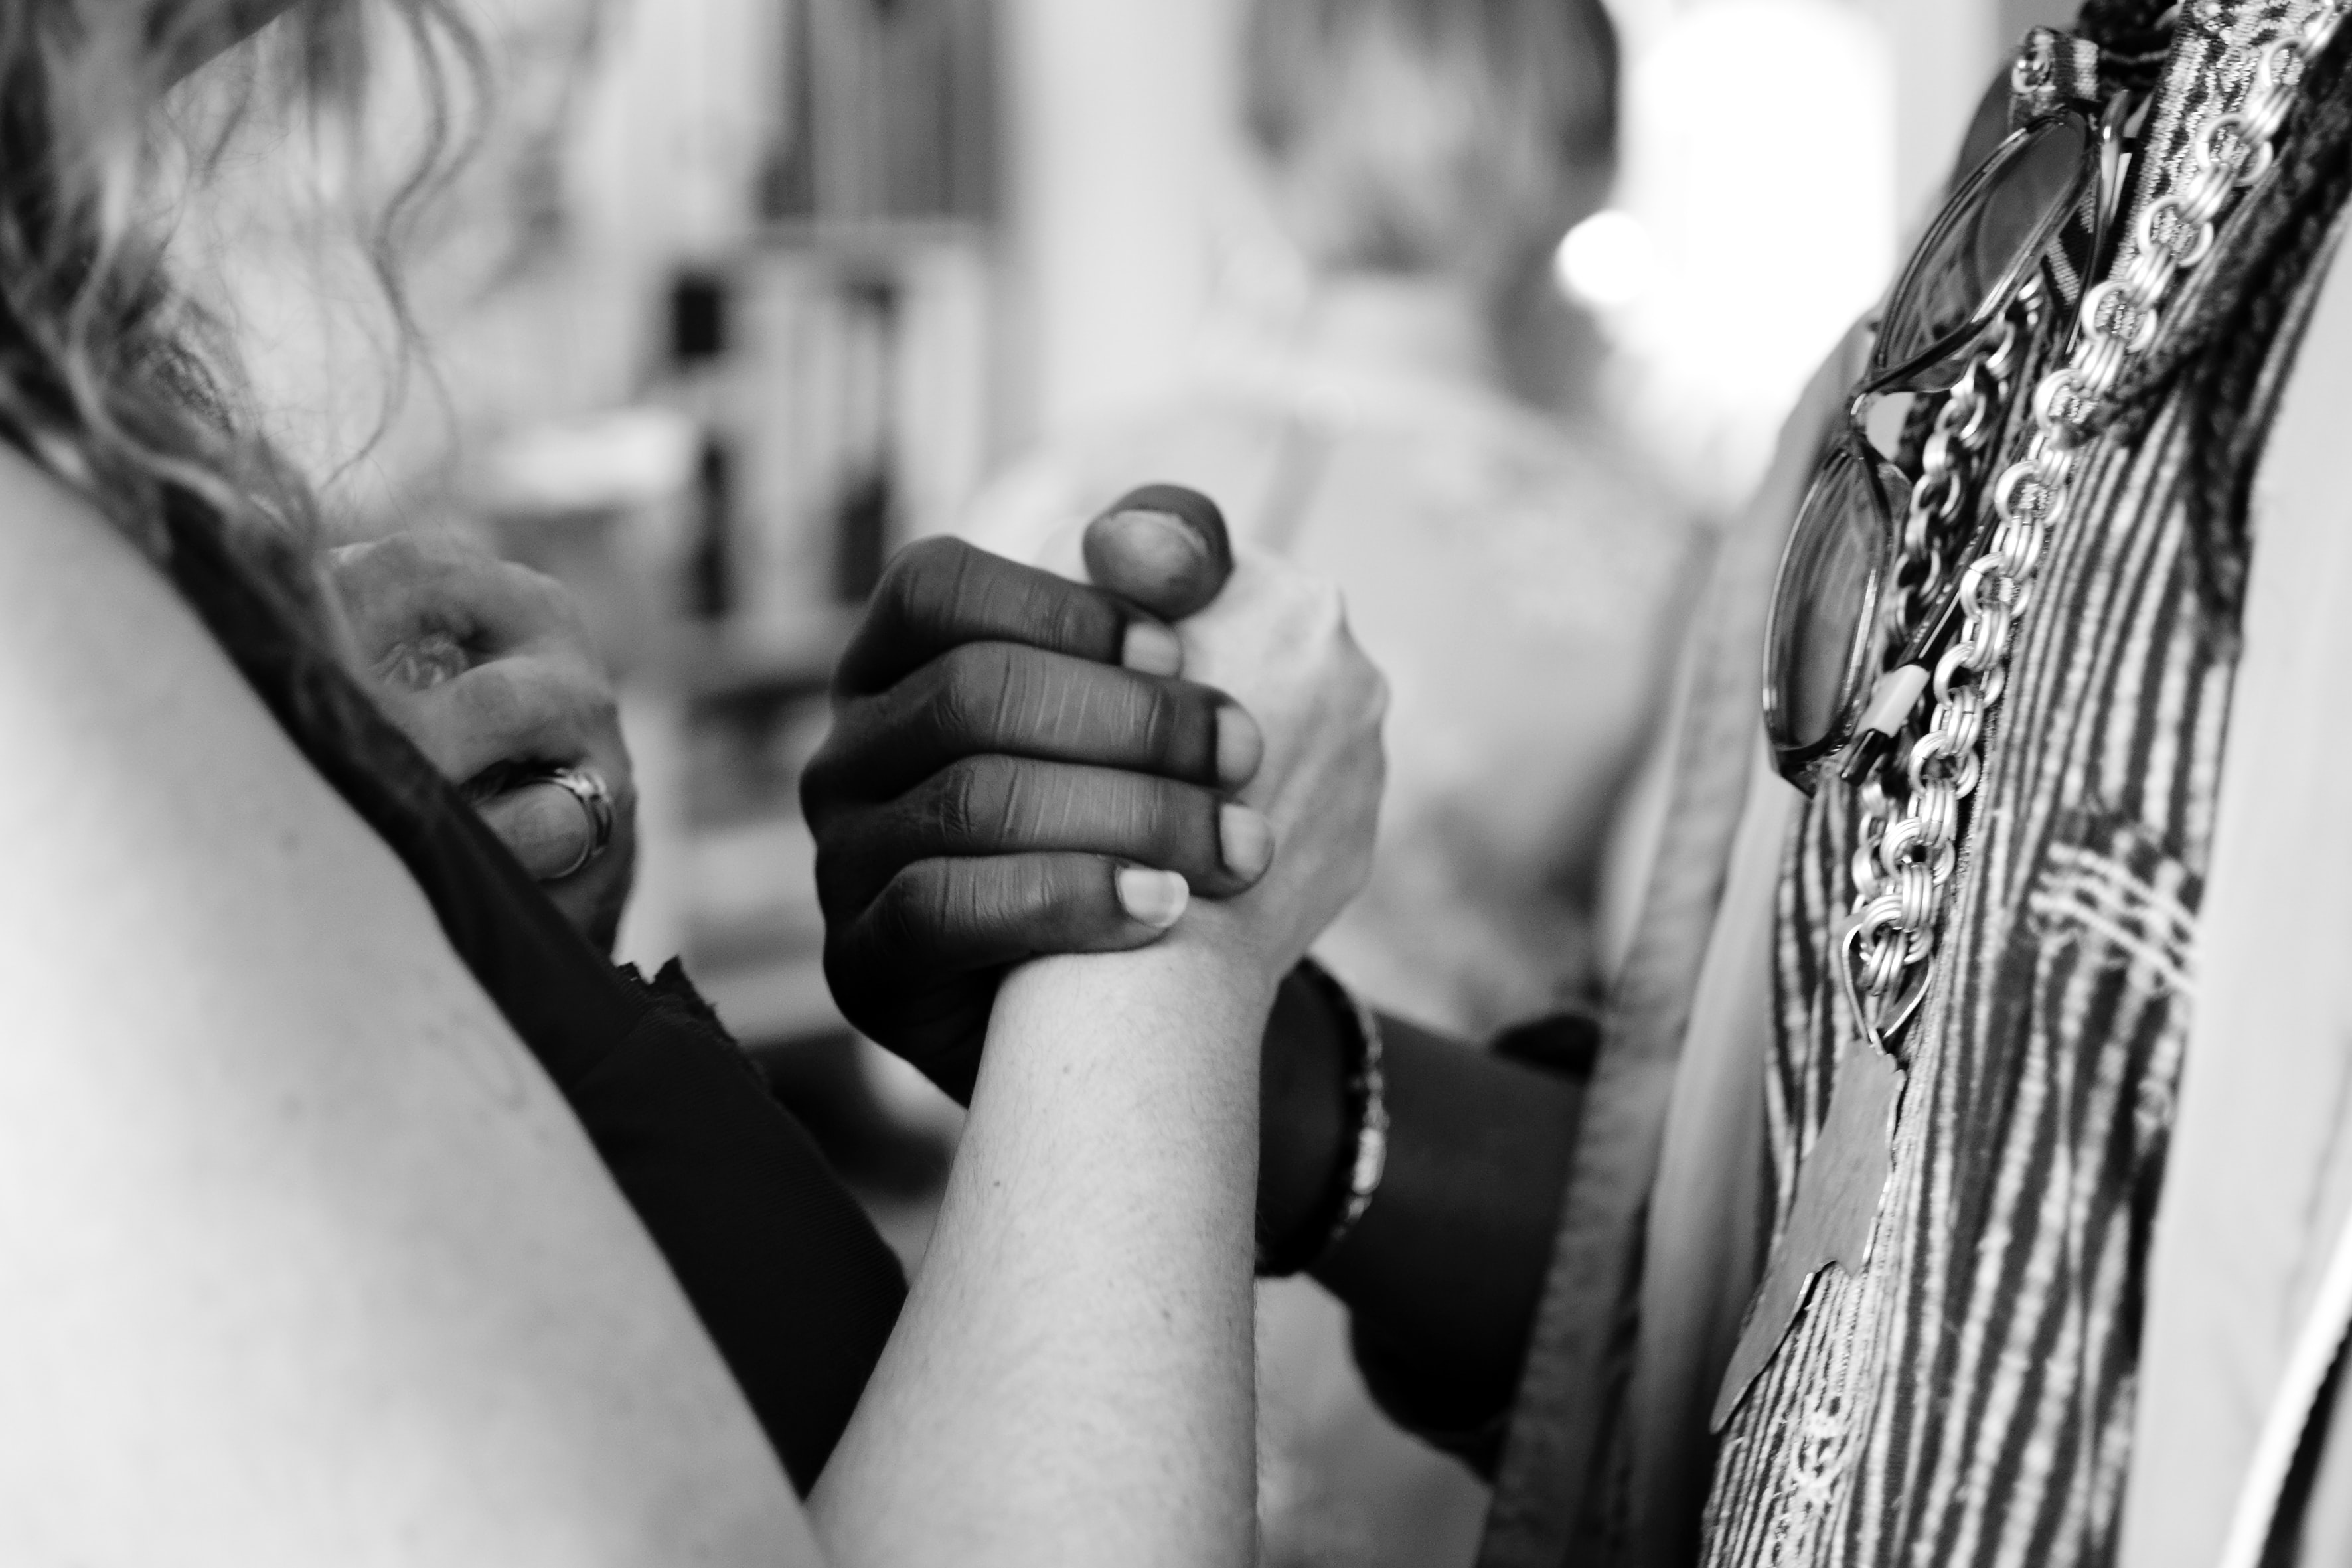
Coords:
110,377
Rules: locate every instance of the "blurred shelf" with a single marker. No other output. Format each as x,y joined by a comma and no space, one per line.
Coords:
876,239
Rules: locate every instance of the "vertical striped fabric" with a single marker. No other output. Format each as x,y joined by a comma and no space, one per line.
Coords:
1967,1400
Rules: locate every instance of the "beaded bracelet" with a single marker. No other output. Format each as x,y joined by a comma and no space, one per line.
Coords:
1358,1177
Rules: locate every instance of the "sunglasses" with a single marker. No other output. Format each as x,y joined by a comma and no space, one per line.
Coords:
1951,325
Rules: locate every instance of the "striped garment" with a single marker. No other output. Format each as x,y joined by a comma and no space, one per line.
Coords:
1969,1399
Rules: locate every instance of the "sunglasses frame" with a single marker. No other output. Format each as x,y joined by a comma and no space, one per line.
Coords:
1797,761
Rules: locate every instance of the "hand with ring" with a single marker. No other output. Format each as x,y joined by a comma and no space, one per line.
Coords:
486,665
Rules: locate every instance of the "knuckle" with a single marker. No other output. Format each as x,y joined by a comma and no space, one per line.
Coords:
1072,617
978,802
977,691
926,579
913,909
924,557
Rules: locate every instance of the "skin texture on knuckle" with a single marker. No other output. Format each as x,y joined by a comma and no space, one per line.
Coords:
1076,621
1050,612
1117,717
998,805
967,804
924,581
969,697
911,914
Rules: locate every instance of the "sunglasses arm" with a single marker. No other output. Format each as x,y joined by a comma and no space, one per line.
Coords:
1891,701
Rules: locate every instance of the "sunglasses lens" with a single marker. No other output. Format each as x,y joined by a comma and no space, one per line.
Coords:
1823,605
2000,221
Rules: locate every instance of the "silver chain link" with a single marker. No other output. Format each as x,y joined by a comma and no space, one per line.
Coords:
1963,427
1904,866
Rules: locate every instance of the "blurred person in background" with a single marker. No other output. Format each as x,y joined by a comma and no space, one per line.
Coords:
1418,430
1509,567
1959,1175
366,1211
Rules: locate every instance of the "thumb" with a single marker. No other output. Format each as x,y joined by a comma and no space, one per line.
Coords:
1162,548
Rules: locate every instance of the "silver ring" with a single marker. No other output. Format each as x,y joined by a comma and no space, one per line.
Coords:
587,786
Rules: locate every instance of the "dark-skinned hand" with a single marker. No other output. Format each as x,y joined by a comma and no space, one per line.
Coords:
1016,766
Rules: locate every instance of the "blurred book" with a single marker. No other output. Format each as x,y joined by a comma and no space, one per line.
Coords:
890,111
836,364
860,414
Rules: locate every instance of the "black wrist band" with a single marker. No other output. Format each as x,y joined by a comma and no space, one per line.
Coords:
1363,1154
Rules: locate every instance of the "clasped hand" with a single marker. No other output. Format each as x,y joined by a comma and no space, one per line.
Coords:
1019,762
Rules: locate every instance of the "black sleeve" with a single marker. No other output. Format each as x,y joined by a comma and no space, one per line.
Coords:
1426,1394
791,1280
783,1268
794,1285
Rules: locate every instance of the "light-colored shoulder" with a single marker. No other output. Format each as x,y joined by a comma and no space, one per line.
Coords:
309,1263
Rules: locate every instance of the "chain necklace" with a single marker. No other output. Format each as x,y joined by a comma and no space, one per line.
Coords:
1903,867
1906,858
1964,426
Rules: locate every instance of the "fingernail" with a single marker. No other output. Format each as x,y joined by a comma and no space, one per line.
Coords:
1168,542
1155,898
1247,840
1151,556
1152,649
1241,746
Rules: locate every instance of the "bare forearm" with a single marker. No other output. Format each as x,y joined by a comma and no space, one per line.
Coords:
1072,1378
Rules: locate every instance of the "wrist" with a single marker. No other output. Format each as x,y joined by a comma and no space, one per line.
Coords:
1302,1118
1326,1179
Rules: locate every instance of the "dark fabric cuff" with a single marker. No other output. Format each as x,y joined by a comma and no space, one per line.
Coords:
1414,1401
1564,1045
1430,1403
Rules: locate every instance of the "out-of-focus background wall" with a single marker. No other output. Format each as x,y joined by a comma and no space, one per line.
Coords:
737,296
